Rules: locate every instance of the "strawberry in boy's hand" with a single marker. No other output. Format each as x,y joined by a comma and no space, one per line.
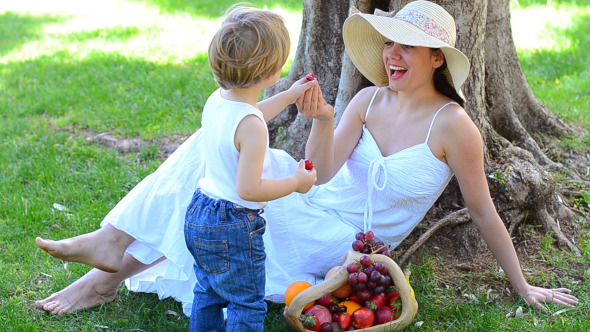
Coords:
310,77
308,165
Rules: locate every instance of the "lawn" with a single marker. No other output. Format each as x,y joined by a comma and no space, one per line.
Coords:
137,69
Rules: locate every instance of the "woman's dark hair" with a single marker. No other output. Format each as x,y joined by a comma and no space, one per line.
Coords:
443,85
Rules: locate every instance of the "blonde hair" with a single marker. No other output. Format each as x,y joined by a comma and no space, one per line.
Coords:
250,45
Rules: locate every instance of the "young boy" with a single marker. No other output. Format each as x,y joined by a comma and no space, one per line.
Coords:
223,225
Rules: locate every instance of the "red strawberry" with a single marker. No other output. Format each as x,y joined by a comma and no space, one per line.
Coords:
344,320
308,165
377,301
395,304
310,77
392,293
310,322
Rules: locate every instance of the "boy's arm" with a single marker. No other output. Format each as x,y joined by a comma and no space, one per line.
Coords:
250,140
274,105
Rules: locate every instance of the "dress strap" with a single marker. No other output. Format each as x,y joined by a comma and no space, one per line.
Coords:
434,117
371,103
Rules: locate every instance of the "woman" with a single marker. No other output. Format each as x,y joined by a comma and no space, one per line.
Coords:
394,151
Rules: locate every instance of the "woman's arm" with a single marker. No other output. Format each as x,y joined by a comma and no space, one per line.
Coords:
463,147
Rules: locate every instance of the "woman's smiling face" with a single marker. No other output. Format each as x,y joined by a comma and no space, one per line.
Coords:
410,67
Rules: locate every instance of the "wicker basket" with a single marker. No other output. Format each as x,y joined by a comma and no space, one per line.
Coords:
409,304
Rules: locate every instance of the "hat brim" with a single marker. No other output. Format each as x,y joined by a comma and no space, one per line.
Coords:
364,38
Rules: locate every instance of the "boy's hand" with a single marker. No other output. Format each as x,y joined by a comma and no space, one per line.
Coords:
313,105
305,178
299,87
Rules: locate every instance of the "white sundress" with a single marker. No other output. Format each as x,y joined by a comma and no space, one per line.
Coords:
307,234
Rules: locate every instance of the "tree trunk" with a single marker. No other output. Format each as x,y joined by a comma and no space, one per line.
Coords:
499,101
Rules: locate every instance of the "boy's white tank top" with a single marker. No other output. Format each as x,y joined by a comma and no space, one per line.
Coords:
219,121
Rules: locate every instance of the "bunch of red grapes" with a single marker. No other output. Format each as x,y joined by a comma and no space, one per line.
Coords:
368,278
365,243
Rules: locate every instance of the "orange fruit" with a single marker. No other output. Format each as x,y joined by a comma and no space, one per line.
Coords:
351,306
343,291
294,289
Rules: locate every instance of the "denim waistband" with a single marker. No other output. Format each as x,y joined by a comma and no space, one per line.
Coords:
228,204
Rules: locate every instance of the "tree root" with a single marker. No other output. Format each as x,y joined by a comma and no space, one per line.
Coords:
551,224
453,219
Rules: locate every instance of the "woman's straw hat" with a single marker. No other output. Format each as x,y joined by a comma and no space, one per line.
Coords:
419,23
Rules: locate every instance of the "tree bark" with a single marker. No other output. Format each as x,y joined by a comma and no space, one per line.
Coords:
499,101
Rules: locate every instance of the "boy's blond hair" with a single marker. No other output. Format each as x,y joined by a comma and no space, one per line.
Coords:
251,44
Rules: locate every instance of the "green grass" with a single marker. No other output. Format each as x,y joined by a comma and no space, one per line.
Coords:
553,45
137,69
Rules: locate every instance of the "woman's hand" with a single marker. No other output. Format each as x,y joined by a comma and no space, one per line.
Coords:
313,105
537,296
297,90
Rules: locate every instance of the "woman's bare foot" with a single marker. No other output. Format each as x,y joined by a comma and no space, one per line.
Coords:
102,249
93,289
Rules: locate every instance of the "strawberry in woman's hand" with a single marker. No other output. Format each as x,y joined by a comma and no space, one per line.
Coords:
308,165
310,77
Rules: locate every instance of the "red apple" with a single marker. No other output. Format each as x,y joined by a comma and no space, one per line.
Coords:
363,317
383,315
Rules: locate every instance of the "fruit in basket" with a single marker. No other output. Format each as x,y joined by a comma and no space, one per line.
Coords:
377,301
363,317
322,313
343,291
294,289
326,327
377,288
310,322
367,244
351,306
326,300
384,315
344,320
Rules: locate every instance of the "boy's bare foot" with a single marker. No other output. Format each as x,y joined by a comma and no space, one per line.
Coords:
91,290
102,249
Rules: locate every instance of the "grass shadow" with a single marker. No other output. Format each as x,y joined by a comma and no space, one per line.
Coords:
112,34
216,8
133,97
17,30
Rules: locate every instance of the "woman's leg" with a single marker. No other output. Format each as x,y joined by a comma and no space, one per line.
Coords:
102,249
93,289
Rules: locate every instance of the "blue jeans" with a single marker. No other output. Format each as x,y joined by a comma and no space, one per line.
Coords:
226,242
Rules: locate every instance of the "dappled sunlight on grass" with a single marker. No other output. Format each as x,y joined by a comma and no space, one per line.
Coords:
129,28
553,46
534,28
